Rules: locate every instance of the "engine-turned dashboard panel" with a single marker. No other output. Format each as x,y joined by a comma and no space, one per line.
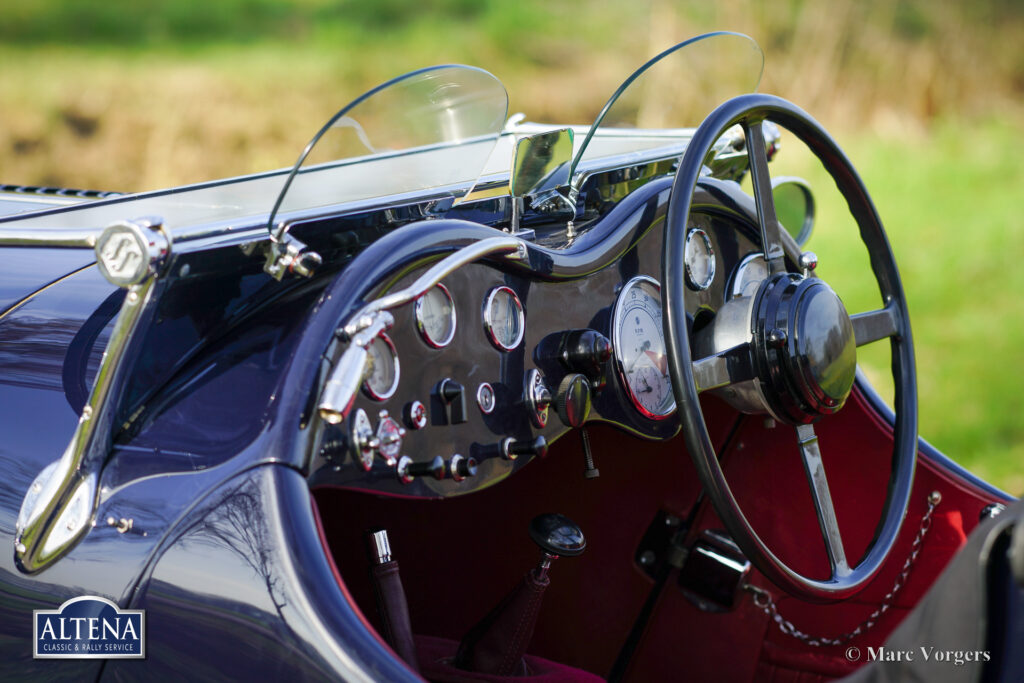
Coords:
479,375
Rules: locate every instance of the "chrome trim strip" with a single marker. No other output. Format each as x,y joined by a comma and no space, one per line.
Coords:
513,247
34,237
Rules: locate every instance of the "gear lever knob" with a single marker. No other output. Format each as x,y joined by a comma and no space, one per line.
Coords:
557,535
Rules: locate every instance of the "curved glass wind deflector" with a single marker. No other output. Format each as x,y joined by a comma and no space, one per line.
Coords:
670,94
430,129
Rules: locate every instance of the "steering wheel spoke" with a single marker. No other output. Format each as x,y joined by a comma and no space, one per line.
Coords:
722,369
875,325
762,181
815,471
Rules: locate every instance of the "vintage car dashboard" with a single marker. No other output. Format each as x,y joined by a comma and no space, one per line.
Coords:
479,375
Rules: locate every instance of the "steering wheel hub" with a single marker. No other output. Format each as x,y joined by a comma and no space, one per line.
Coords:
804,347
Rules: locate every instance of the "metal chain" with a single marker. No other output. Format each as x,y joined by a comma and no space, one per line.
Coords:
763,599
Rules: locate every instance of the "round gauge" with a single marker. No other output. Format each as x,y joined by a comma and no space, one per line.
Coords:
503,318
699,259
382,381
485,398
639,343
435,316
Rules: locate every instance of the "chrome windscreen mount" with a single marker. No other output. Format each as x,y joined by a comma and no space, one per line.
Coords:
60,504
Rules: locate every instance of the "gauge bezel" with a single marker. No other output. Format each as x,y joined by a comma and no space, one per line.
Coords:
421,326
690,280
489,327
482,391
620,368
367,389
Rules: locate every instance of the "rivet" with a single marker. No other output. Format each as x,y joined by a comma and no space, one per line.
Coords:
934,498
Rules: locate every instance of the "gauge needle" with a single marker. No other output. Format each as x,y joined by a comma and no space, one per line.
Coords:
643,350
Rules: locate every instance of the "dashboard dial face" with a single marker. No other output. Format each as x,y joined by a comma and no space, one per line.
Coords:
699,260
639,343
435,316
503,318
382,381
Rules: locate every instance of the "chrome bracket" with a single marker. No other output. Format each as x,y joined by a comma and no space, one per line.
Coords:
728,158
288,255
60,504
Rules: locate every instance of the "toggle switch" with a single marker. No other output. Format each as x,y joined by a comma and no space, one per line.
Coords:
461,468
513,448
409,470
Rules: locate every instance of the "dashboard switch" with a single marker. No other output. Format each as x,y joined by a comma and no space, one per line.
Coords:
585,351
364,444
461,467
538,398
513,448
415,415
453,398
409,470
389,436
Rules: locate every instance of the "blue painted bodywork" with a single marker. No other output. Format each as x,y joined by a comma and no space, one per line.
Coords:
204,468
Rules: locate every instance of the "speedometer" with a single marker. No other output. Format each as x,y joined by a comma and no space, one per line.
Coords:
639,342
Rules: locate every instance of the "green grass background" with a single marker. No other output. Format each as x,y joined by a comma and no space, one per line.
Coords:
926,98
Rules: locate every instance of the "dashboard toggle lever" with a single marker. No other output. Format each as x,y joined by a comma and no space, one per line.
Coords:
409,470
461,467
513,448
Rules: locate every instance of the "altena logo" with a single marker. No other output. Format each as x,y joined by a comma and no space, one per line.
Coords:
89,627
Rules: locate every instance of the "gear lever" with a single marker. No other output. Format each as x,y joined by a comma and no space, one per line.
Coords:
497,643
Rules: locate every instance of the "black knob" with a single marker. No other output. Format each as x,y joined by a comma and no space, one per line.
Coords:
585,351
453,397
512,448
557,535
409,470
450,390
462,467
573,402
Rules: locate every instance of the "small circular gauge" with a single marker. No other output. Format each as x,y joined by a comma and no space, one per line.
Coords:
504,322
639,344
485,398
435,316
382,381
699,260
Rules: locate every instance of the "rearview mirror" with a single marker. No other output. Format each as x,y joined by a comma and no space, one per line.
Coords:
540,168
794,206
541,162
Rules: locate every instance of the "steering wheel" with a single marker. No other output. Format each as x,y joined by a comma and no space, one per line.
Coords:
790,350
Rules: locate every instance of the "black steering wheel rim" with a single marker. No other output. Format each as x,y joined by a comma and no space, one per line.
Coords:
892,321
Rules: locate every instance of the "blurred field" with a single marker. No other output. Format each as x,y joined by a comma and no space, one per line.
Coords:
927,98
